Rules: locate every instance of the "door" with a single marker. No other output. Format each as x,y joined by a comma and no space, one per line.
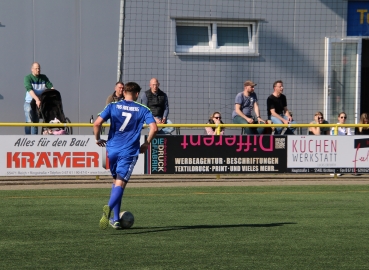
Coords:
342,78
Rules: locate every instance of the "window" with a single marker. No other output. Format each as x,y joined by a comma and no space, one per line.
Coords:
233,36
192,36
205,37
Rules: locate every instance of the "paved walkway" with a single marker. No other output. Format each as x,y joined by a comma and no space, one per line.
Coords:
63,182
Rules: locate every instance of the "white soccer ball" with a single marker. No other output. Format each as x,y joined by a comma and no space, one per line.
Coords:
126,219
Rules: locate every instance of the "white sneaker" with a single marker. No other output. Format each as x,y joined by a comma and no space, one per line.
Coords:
338,174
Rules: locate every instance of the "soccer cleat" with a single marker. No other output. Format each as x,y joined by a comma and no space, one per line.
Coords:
104,221
115,224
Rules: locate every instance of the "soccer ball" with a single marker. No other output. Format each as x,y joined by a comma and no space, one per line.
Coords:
126,219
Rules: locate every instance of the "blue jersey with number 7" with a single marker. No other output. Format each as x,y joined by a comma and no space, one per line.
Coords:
126,121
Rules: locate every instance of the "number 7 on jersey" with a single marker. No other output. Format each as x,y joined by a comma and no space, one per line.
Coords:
125,123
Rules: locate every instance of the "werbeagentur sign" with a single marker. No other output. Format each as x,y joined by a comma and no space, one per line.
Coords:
194,154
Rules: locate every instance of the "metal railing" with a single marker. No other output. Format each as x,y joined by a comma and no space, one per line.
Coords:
179,126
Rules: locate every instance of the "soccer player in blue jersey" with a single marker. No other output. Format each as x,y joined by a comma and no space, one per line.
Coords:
123,146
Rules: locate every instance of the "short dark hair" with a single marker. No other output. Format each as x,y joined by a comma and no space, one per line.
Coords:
275,83
132,87
119,83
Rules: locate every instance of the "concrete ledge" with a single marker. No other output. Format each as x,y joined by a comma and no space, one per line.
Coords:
181,177
90,181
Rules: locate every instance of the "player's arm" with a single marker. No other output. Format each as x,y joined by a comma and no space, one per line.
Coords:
97,129
152,133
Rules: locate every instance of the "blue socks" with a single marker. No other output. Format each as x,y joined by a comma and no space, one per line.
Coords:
116,200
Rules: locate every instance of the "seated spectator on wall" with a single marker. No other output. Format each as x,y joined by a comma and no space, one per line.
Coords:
342,120
215,118
364,119
319,119
246,102
278,111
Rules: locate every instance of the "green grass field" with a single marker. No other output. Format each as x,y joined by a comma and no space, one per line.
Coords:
281,227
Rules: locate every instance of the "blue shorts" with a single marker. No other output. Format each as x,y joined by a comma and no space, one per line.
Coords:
122,167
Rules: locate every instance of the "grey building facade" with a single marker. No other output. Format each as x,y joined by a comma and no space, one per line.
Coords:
84,47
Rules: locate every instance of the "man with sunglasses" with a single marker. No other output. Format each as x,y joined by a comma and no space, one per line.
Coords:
246,102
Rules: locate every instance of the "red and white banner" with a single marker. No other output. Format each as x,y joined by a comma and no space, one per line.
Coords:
55,155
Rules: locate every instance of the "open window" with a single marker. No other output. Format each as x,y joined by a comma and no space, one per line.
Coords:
215,37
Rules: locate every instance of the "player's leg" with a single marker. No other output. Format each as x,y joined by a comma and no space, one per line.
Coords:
124,171
115,201
104,221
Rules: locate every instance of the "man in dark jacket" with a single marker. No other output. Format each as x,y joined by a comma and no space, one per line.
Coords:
157,101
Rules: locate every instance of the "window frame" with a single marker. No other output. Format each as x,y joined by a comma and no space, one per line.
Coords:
213,48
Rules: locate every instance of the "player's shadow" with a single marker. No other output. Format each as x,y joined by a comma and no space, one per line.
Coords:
134,230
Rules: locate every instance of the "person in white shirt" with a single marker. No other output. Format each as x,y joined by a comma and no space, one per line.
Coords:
342,120
341,131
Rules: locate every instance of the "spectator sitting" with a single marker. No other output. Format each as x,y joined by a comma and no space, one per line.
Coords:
157,101
341,130
215,118
319,119
342,120
246,102
277,109
364,119
117,95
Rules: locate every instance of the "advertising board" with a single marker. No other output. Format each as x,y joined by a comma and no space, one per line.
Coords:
328,154
194,154
51,155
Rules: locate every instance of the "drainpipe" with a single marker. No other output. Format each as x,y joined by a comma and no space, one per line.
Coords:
121,41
